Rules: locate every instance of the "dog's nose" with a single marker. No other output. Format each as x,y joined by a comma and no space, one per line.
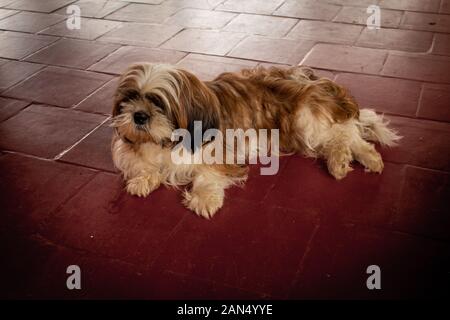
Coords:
140,118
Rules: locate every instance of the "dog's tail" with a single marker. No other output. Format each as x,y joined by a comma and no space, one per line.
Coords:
374,127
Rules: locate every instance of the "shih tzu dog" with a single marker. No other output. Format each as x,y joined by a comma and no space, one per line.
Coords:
314,117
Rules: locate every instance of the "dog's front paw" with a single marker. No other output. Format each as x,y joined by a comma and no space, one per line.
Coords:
141,186
204,204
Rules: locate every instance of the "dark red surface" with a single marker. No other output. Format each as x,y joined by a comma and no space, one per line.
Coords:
298,234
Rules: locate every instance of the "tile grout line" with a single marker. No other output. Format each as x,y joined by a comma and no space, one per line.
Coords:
61,154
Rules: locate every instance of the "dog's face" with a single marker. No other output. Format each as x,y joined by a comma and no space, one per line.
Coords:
154,99
144,103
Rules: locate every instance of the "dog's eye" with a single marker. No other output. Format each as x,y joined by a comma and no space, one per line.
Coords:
131,95
156,100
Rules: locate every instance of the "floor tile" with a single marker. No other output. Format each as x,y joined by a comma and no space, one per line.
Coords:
260,251
32,189
394,96
118,61
46,131
434,102
6,13
441,44
336,266
261,25
16,45
445,6
196,18
137,12
426,21
198,4
424,144
95,8
308,9
363,198
359,15
396,39
325,32
118,225
411,5
15,71
64,87
94,151
101,101
9,107
272,50
423,203
204,41
30,21
346,58
418,67
41,5
208,67
73,53
90,29
250,6
138,34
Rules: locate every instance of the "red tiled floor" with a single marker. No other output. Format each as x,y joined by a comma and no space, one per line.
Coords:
434,101
90,29
307,9
418,67
45,185
412,5
29,21
9,107
41,6
424,144
441,44
119,61
6,13
272,50
72,53
346,58
46,131
336,265
297,234
64,87
115,215
15,71
137,12
394,96
204,41
426,21
196,18
138,34
101,100
17,45
253,254
250,6
94,151
95,8
358,15
261,25
423,203
395,39
361,197
325,32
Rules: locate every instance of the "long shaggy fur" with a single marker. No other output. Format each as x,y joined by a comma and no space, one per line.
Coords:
315,117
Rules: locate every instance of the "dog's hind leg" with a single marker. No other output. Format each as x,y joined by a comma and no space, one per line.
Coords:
365,153
337,152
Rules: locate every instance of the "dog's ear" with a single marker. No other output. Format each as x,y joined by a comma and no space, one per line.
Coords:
199,105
